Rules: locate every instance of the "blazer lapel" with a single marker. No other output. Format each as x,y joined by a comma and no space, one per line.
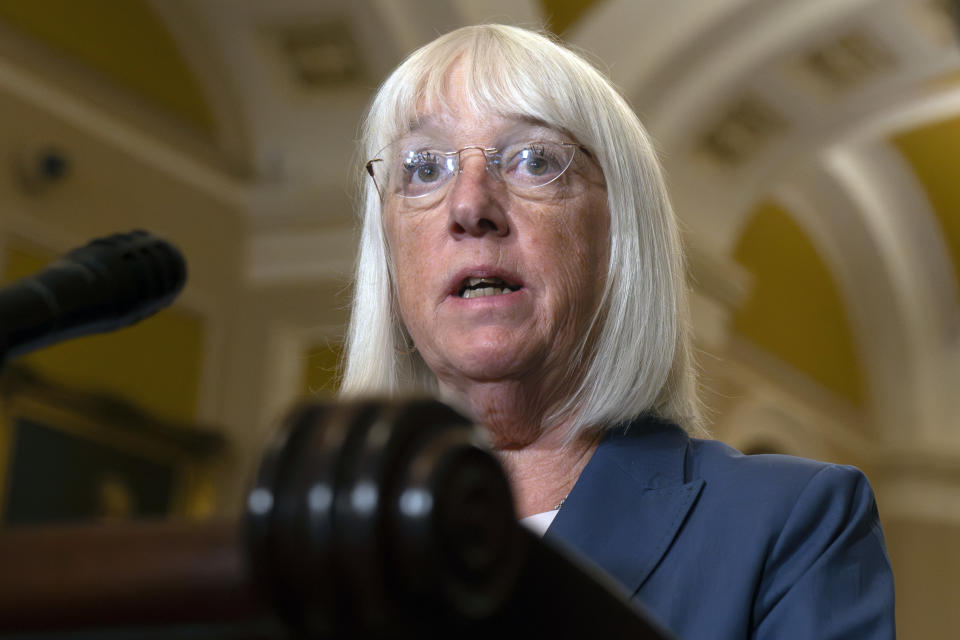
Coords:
629,502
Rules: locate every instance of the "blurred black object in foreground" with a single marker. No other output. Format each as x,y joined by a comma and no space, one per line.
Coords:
107,284
368,519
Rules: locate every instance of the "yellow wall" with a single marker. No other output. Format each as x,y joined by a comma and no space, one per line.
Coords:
927,570
155,364
320,369
562,14
123,41
794,309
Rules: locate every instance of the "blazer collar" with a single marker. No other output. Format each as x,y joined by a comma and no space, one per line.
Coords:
630,501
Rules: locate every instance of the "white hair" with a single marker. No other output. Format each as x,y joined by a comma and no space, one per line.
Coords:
639,357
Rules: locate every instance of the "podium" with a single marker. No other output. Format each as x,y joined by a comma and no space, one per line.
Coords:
380,519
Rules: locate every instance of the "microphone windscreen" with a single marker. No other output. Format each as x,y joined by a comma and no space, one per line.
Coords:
107,284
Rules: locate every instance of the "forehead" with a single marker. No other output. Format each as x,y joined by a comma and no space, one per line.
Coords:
464,102
457,127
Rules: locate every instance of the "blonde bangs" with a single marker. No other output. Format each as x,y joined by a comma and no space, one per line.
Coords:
501,76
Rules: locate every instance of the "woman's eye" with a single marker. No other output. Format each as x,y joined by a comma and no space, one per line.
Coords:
423,169
427,173
531,162
537,165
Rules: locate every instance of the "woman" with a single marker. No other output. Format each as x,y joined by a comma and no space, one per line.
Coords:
520,259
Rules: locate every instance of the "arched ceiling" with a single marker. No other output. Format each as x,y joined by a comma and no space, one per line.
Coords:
123,41
752,102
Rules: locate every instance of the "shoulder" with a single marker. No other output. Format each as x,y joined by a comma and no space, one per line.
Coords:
793,546
806,534
784,477
658,453
818,532
799,503
739,496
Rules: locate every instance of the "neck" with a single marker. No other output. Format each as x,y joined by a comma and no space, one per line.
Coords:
540,464
544,472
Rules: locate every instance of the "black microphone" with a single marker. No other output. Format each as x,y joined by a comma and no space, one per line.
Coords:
107,284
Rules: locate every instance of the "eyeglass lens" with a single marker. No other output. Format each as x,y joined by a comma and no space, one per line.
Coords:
414,173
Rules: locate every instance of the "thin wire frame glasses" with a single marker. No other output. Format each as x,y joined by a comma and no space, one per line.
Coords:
523,166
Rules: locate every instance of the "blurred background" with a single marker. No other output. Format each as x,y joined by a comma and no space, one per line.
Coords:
811,148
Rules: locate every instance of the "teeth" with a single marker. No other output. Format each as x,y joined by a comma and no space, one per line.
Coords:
485,291
474,287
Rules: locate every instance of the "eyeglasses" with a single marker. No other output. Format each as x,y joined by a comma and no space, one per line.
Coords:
523,166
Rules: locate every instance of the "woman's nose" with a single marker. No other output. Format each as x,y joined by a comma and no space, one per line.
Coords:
476,200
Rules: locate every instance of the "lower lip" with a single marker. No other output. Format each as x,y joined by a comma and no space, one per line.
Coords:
487,302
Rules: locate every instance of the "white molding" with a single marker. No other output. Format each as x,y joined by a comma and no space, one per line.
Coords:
710,322
878,315
737,48
919,270
919,499
833,418
283,368
766,418
291,255
105,127
634,40
909,112
193,40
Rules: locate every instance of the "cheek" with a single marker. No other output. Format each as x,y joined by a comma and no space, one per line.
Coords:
411,264
581,249
400,237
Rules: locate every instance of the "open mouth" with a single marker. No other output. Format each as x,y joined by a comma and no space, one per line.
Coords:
481,287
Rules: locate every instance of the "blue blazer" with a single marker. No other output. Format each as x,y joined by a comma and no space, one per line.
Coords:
718,545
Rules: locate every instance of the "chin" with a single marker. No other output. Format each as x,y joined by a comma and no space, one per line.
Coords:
511,439
492,368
